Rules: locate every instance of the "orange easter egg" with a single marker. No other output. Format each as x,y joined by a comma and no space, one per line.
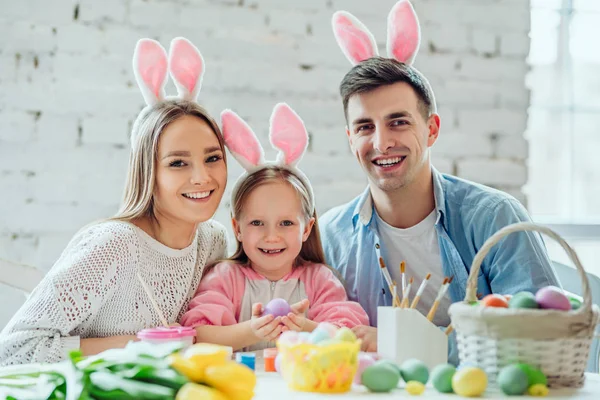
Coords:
494,300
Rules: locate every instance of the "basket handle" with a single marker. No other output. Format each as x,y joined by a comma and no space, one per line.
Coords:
471,292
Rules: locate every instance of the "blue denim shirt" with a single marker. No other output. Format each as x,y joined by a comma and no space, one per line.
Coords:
467,215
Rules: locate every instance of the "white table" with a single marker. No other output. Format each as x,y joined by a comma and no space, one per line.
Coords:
271,386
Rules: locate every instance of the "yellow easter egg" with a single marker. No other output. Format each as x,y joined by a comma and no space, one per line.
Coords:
469,382
414,387
538,390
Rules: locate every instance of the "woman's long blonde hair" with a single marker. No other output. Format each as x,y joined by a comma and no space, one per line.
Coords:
139,186
312,250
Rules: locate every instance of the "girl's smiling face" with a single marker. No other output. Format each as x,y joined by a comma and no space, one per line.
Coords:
272,228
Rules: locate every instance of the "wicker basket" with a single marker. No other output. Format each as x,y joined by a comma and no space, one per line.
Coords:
557,342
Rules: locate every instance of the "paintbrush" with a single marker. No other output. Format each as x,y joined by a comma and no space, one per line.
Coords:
388,280
440,296
406,299
420,291
403,276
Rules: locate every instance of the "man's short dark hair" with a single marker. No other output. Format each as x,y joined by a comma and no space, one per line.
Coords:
378,71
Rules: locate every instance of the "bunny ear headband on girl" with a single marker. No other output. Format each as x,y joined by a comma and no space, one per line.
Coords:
287,134
358,43
151,64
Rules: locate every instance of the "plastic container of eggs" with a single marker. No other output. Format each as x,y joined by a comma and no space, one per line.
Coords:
323,361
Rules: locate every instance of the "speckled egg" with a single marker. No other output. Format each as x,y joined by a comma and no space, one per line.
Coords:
469,382
380,377
513,380
534,375
523,300
364,361
441,377
553,298
414,370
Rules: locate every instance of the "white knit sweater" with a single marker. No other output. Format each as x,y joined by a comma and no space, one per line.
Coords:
92,291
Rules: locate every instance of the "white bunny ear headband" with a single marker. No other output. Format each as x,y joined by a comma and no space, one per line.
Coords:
358,43
287,134
151,64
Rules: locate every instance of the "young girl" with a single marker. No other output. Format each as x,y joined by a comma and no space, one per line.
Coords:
93,298
279,253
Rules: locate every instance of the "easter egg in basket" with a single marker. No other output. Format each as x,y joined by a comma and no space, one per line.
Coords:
494,300
277,308
523,300
553,298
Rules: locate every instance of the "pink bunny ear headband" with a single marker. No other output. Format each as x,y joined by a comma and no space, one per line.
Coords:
358,43
287,134
150,67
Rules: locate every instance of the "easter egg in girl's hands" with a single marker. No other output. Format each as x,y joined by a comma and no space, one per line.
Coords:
277,308
523,300
552,298
364,361
494,300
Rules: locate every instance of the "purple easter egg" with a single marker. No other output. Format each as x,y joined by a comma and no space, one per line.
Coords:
364,360
277,308
551,297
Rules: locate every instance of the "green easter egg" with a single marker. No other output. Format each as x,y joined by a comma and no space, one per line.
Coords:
345,334
523,300
441,377
534,375
575,303
380,377
414,370
513,380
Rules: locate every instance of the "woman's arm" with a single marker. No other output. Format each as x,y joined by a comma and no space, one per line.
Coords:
94,346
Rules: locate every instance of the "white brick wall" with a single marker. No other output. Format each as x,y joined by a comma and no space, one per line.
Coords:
67,95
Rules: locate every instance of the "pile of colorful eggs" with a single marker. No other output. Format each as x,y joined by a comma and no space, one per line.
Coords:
380,375
549,297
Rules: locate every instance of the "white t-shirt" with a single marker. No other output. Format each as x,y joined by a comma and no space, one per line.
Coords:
418,247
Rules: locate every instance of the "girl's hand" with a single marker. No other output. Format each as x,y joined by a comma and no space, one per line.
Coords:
264,328
296,321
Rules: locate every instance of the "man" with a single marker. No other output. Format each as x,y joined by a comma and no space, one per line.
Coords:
410,212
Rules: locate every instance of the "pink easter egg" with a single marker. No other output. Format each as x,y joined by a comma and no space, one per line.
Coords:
277,308
364,360
553,298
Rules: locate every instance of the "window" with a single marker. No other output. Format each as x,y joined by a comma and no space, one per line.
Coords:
564,124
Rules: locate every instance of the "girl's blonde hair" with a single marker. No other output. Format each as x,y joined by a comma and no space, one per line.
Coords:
312,250
139,186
